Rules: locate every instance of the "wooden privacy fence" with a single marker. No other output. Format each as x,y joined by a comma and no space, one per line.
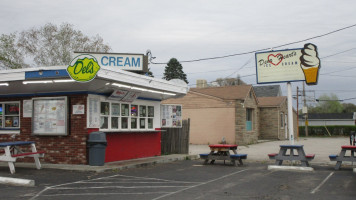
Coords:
176,140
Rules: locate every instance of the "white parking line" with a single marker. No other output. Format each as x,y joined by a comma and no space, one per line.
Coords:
152,183
117,187
102,194
160,197
322,183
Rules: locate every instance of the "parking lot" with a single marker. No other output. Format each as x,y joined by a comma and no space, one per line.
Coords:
187,179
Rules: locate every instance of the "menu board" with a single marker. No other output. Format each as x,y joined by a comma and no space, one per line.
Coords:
50,116
171,116
27,108
93,110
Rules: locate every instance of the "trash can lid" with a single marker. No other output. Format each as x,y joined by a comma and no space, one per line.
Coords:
97,137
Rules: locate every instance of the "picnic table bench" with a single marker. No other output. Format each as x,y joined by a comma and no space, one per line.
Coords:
222,152
10,151
299,156
342,156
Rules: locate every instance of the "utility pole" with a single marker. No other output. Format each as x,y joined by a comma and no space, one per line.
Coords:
305,114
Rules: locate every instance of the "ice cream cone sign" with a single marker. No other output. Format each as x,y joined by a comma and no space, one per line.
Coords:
289,65
310,63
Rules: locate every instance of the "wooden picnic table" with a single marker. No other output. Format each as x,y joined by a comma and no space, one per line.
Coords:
296,152
10,151
222,152
342,156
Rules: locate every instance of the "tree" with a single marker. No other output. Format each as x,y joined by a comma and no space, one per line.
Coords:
174,70
229,81
327,104
10,56
48,45
349,108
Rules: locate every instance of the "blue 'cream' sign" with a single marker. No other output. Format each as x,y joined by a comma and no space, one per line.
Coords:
130,62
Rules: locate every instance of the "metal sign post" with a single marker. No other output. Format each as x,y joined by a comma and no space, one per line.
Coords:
288,66
290,113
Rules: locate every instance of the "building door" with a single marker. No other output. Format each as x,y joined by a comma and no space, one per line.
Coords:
286,126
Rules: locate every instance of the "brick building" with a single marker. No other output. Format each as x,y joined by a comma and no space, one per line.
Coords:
46,106
221,112
273,117
232,113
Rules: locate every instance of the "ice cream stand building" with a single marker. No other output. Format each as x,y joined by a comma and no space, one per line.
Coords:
49,106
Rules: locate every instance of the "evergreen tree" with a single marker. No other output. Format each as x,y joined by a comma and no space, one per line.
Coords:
174,70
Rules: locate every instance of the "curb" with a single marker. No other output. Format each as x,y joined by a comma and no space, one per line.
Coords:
17,182
145,164
122,165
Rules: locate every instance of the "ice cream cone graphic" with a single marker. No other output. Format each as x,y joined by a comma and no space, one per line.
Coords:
310,63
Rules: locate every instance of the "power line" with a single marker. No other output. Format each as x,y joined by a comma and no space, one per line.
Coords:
241,67
253,66
349,99
247,62
265,49
351,68
338,90
338,75
337,53
240,77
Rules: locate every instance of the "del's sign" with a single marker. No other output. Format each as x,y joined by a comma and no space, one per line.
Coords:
129,62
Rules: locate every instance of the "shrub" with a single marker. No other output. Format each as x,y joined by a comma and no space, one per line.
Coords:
321,130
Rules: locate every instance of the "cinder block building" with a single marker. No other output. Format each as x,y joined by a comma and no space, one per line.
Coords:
233,114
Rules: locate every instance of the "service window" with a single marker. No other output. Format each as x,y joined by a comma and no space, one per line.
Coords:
134,111
104,115
10,115
115,113
143,116
124,116
118,116
151,114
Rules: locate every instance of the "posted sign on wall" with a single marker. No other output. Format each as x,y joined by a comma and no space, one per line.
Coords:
171,116
288,65
130,62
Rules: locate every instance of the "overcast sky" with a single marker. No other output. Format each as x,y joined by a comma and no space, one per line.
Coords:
189,30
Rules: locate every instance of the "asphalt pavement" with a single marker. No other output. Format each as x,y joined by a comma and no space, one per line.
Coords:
321,147
186,179
49,180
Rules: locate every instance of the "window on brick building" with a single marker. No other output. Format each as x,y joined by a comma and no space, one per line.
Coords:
249,119
124,116
9,115
282,120
104,115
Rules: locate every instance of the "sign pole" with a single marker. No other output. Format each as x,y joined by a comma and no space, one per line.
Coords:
290,114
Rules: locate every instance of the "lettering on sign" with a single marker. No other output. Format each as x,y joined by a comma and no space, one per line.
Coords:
121,61
83,68
289,65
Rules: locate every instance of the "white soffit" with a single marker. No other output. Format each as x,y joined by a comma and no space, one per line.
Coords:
122,76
